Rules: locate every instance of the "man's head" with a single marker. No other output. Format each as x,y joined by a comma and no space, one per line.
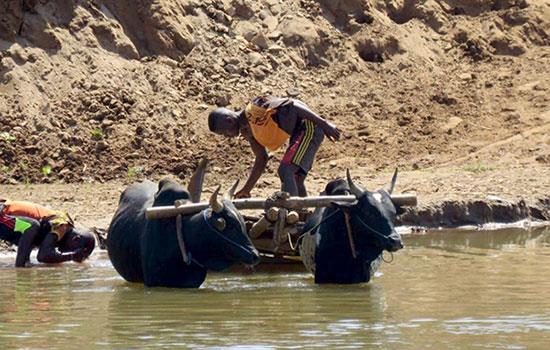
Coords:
224,122
76,239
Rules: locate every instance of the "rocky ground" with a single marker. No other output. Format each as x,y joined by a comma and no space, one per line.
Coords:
97,94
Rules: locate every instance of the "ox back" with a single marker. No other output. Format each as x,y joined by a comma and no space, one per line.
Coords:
331,259
162,261
334,262
147,251
126,228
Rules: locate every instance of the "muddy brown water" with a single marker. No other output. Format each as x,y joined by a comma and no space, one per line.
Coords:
445,290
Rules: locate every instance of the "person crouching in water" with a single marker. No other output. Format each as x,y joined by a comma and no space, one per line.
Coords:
29,225
267,123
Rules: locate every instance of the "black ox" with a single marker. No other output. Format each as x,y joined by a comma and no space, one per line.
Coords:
350,252
154,253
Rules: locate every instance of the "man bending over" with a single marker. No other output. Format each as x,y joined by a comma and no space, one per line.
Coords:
29,225
267,123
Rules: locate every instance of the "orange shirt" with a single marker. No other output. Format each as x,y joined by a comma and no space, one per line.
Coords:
60,222
264,129
27,209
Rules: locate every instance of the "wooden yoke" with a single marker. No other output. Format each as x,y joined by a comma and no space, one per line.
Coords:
404,200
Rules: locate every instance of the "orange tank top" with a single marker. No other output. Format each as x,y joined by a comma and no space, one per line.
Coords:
264,129
27,209
59,221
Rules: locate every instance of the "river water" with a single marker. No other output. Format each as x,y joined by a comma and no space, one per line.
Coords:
445,290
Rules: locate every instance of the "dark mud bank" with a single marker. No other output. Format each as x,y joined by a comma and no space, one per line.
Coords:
477,212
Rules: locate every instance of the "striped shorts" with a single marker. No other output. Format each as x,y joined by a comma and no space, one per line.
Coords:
7,228
304,144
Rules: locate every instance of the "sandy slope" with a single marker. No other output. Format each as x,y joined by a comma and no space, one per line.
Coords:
111,90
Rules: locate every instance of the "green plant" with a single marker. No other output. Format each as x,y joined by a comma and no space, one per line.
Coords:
133,172
6,136
4,169
46,170
478,167
97,134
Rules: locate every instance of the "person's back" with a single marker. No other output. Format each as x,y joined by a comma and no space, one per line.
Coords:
27,209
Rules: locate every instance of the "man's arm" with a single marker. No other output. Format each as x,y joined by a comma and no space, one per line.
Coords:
47,253
332,132
30,229
258,168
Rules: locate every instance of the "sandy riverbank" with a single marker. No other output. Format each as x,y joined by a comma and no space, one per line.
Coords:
447,197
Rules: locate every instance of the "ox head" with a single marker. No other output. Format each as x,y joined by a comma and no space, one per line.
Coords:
227,224
218,237
372,215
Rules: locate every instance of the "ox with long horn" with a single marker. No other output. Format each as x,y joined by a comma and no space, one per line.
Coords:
354,189
393,181
197,179
215,203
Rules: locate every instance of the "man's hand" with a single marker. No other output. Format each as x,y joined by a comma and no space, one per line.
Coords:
332,132
242,194
79,255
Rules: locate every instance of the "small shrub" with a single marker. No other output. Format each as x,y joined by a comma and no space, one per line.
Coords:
97,134
46,170
478,167
133,172
6,136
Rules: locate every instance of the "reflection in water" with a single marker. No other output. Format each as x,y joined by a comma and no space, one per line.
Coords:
456,240
447,289
267,308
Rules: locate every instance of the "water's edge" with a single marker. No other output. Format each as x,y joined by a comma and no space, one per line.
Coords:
493,210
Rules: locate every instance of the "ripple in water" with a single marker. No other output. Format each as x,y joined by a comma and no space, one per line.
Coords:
445,290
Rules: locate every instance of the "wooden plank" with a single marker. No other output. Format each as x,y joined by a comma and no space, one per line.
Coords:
279,229
408,199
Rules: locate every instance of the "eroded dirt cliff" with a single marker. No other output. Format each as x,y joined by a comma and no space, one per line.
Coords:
117,90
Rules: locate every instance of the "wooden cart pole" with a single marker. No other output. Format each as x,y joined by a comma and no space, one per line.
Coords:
405,200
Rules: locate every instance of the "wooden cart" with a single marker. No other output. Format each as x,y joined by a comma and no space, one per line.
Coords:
276,226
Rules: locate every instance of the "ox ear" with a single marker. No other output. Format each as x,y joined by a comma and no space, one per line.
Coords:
195,184
393,181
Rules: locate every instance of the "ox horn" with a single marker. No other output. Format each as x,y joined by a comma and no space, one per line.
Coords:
393,181
355,190
195,184
231,193
215,204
